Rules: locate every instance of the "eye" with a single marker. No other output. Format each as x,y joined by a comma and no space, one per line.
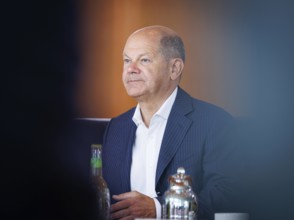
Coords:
127,60
145,60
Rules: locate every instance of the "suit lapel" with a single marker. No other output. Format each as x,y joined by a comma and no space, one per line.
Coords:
126,161
176,129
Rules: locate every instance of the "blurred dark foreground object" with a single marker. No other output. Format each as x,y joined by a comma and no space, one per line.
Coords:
45,169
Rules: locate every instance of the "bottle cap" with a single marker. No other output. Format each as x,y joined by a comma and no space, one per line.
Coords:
96,146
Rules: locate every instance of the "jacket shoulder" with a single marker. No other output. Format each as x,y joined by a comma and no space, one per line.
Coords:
122,121
124,116
197,107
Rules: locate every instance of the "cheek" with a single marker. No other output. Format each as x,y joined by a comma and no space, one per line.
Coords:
123,75
158,75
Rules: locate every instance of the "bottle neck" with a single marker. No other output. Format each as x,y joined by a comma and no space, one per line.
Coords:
97,171
96,163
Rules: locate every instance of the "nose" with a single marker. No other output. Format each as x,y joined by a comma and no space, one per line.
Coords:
133,68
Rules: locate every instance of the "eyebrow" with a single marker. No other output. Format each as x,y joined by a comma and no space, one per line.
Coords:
140,55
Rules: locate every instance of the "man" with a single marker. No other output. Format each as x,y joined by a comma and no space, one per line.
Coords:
166,130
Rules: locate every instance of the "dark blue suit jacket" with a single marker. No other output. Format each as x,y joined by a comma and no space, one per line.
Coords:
193,138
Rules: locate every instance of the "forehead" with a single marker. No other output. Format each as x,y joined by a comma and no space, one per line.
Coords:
142,42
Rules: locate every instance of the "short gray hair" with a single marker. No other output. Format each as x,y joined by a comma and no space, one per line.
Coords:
172,46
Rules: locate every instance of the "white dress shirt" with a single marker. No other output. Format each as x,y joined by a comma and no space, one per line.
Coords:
146,150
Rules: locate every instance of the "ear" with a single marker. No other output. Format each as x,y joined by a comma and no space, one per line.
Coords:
177,66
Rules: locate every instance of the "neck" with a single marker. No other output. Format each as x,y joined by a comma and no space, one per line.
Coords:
149,108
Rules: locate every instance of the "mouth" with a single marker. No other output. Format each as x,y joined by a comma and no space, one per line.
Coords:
134,80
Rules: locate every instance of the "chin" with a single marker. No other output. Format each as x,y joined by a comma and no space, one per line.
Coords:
134,92
134,95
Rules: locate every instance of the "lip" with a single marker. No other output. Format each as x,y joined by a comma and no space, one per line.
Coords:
134,80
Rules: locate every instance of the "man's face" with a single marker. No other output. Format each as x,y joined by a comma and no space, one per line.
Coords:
145,71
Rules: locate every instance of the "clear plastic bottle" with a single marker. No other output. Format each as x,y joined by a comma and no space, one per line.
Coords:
100,186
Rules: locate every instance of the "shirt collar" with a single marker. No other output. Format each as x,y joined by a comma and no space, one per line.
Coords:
162,112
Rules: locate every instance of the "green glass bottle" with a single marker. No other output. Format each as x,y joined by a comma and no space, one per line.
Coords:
100,185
